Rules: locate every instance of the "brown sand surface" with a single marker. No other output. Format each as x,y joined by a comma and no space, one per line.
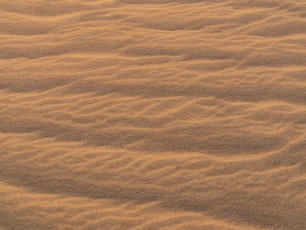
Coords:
153,114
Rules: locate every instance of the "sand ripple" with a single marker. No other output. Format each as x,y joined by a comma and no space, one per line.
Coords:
153,114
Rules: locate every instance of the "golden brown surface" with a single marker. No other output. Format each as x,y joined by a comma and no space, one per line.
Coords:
153,114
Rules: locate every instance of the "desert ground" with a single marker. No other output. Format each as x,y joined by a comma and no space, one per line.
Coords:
153,114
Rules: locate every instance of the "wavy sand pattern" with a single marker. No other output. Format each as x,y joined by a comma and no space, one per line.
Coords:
153,114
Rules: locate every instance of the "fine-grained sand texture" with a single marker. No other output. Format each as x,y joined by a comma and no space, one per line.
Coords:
152,114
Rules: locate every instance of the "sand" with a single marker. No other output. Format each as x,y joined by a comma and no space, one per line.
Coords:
153,114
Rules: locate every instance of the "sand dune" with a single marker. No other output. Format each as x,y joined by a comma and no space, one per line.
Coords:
153,114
